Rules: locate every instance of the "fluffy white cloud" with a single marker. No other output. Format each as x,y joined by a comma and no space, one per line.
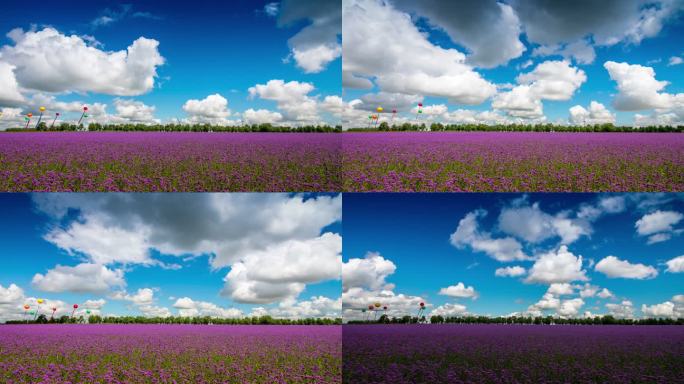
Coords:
317,44
47,60
661,310
154,311
605,205
587,290
134,111
102,243
292,98
533,225
144,296
261,116
10,118
211,107
449,309
241,288
94,304
82,278
658,225
189,307
468,234
383,43
559,266
9,88
227,226
333,105
548,301
637,87
272,243
315,59
570,308
369,272
581,51
553,80
510,271
675,265
624,310
459,290
558,289
288,264
489,47
613,267
519,102
605,294
11,294
670,116
597,114
550,80
143,300
317,306
466,116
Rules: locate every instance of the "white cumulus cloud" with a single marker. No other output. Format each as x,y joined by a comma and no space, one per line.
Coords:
47,60
613,267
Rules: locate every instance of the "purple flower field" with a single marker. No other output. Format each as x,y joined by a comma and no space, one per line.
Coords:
352,162
452,353
164,161
170,354
512,162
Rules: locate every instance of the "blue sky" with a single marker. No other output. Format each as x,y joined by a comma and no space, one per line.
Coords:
414,232
403,35
78,247
207,48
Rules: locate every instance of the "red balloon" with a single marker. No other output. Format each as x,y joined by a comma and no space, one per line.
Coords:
54,309
75,306
85,108
57,113
394,111
385,307
26,307
422,304
30,115
420,104
370,307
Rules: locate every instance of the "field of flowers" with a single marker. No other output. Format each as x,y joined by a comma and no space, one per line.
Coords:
165,161
512,161
403,354
59,354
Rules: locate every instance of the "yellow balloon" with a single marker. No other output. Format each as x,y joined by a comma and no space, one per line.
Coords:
377,305
379,109
42,109
40,301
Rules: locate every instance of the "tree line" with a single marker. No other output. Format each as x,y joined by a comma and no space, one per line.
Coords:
439,127
538,320
97,127
205,320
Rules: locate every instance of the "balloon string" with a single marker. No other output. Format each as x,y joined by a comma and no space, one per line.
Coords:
79,120
39,119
